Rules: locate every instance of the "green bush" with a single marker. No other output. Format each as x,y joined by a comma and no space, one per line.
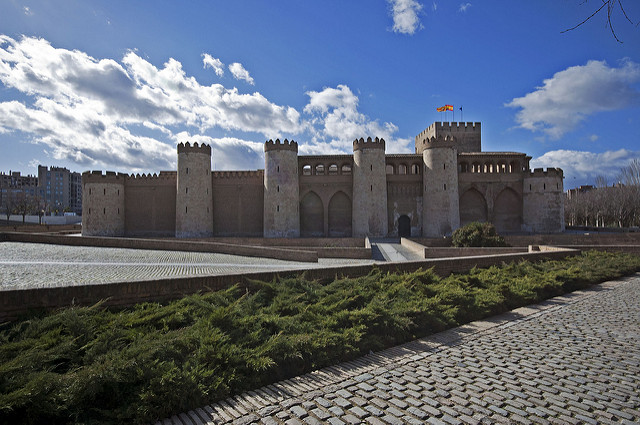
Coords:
477,234
98,365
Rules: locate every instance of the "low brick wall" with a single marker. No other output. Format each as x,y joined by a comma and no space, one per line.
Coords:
289,242
16,302
446,252
296,254
563,239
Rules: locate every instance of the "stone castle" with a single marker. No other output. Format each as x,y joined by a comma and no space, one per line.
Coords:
448,182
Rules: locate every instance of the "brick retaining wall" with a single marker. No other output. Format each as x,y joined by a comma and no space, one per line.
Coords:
279,253
19,301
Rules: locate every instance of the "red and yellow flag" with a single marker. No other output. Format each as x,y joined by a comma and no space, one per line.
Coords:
445,108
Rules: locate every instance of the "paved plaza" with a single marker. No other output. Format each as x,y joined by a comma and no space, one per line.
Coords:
30,265
570,360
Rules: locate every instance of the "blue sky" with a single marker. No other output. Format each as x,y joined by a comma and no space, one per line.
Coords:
115,85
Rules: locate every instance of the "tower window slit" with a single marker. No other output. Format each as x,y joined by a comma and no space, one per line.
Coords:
278,208
544,186
445,186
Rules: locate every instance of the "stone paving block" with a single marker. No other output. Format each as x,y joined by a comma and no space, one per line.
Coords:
268,420
392,420
310,420
320,413
504,375
372,420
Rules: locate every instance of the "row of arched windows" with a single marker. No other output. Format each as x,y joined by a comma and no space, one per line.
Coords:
323,169
490,167
403,169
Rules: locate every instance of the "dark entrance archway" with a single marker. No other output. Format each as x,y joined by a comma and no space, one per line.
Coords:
404,226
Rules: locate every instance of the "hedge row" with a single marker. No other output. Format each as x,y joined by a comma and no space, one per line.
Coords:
99,365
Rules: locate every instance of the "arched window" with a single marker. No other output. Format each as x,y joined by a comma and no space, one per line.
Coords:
464,167
319,169
415,169
306,170
389,169
402,169
346,169
333,169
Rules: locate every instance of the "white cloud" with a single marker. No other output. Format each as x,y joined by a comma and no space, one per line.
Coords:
571,95
581,166
92,111
239,73
594,137
27,11
463,7
336,118
405,16
228,153
209,61
128,115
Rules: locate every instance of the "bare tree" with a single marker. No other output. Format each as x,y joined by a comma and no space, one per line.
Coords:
612,7
630,175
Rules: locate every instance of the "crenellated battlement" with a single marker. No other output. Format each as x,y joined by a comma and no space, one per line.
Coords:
433,142
195,148
368,144
450,127
287,145
259,174
164,175
108,177
549,172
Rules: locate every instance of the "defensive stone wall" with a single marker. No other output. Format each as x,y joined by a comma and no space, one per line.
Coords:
150,201
441,199
543,201
238,203
466,136
103,203
369,214
281,190
194,195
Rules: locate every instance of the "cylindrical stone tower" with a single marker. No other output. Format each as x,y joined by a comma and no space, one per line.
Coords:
369,189
194,194
281,190
441,204
103,204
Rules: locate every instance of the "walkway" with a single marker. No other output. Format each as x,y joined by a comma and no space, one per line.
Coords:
30,265
570,360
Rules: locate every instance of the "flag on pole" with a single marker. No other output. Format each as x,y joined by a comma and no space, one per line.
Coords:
441,109
448,107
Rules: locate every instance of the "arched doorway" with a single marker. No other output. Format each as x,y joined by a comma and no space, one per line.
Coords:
473,207
507,211
340,215
311,216
404,226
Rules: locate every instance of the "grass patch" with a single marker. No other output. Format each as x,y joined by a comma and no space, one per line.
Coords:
97,365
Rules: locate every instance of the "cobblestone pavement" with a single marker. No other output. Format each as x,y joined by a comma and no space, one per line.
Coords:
28,265
570,360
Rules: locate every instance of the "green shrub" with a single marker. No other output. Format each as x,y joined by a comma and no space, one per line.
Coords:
477,234
148,362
